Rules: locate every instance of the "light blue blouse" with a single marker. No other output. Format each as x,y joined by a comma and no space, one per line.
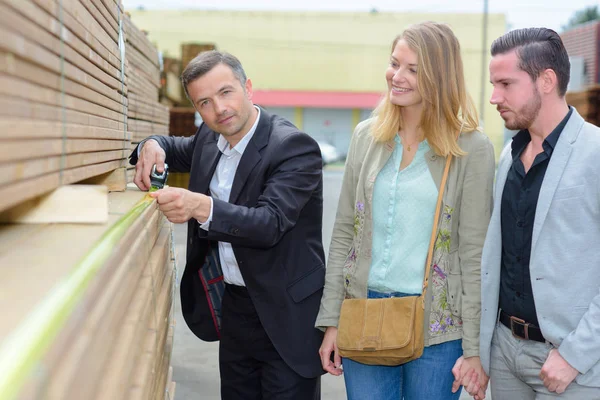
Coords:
403,210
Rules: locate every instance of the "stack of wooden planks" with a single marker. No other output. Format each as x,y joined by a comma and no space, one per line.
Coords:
89,315
87,308
62,97
190,50
78,84
587,103
146,116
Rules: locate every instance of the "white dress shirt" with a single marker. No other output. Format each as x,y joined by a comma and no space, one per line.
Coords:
220,188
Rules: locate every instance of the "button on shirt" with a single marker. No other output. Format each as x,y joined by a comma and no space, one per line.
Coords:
220,188
403,209
519,202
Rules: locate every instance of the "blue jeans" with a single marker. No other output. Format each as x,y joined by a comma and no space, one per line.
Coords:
428,377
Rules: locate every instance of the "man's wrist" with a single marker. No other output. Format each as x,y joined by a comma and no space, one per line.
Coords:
203,209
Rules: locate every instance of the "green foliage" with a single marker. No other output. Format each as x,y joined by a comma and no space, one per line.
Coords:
588,14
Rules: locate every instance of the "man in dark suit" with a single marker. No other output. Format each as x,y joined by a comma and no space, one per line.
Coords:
254,211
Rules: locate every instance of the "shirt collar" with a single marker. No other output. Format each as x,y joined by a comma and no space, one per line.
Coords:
523,137
223,144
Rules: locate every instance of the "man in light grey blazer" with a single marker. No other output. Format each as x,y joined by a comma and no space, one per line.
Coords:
540,317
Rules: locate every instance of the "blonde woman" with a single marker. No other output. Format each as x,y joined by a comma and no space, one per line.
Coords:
385,218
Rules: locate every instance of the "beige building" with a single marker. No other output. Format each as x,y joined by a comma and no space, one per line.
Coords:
323,71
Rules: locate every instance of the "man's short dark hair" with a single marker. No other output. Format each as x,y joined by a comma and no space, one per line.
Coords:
538,49
206,61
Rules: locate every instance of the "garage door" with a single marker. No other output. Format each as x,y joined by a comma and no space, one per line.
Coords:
333,126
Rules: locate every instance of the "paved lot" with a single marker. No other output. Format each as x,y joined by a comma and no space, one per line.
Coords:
195,365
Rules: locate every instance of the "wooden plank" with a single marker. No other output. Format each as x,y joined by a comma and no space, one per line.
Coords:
147,71
45,21
164,314
111,22
145,376
115,379
51,262
75,9
14,22
13,194
150,71
160,383
137,138
171,392
143,371
115,181
133,86
26,169
33,52
27,149
76,204
85,29
139,40
137,82
17,67
15,87
103,22
169,384
76,375
113,9
146,117
16,128
18,108
135,125
157,112
71,335
136,100
130,174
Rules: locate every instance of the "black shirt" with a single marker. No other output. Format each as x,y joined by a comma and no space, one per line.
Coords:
519,202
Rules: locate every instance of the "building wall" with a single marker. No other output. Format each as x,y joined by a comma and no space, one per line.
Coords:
329,125
333,126
288,113
584,41
322,51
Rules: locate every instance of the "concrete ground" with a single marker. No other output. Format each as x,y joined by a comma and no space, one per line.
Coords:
195,363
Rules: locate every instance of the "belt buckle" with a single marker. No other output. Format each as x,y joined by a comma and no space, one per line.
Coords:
518,321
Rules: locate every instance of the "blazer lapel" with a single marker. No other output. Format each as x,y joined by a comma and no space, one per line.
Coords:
210,157
251,155
556,167
501,175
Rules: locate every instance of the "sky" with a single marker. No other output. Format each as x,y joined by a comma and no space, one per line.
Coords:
519,14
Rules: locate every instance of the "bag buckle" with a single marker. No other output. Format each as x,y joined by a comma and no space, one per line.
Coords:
519,323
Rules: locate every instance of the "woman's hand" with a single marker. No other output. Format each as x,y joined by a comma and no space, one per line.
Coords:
329,346
469,373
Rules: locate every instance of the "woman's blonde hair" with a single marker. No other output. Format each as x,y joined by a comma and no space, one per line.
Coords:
447,108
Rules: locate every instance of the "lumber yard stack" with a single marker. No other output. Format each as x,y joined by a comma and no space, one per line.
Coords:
86,287
587,103
146,116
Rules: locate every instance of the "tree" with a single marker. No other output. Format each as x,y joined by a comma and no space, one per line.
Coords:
582,16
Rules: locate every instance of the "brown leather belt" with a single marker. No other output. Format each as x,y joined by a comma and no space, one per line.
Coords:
520,328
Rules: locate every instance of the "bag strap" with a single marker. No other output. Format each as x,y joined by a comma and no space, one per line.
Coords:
434,231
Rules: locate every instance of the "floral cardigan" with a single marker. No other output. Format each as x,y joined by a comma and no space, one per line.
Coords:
453,303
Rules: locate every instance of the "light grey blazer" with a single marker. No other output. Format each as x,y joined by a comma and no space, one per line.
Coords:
565,252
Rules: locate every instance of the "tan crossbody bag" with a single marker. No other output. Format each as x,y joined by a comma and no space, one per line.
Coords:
388,331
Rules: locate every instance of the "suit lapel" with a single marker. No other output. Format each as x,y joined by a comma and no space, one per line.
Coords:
251,156
556,167
210,157
503,168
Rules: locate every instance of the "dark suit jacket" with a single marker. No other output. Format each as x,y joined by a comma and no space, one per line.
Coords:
273,221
